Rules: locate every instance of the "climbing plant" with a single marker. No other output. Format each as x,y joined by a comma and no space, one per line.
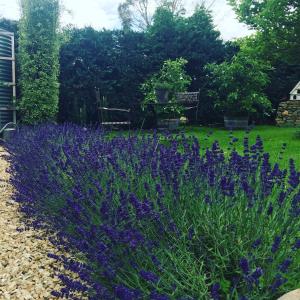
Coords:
39,59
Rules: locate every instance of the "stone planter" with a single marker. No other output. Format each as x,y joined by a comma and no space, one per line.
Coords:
170,124
236,122
162,95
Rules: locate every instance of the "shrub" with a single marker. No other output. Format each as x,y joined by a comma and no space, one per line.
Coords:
156,218
239,85
39,60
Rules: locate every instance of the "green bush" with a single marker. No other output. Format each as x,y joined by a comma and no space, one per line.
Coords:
239,85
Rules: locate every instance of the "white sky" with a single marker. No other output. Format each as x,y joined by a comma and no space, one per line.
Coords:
104,14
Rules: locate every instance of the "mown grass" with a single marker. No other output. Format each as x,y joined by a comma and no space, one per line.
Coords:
273,138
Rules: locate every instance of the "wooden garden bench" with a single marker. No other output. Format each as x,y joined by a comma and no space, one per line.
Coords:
103,108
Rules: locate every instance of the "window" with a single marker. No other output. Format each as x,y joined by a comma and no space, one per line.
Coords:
295,97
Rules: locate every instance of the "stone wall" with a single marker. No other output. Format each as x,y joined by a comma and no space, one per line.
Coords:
288,113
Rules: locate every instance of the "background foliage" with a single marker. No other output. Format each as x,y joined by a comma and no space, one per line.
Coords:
38,56
276,40
113,61
277,23
240,84
118,62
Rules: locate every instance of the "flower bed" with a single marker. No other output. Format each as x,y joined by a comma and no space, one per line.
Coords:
156,219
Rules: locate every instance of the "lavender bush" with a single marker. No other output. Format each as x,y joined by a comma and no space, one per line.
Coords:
154,217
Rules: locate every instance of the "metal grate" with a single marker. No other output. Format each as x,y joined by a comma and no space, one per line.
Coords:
7,78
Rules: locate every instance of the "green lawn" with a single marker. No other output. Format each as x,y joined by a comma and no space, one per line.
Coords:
273,138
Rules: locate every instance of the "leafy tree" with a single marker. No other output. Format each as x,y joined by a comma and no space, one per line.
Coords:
39,51
283,75
175,6
125,16
277,23
239,85
137,14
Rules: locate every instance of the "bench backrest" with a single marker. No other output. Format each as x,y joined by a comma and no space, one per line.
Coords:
187,97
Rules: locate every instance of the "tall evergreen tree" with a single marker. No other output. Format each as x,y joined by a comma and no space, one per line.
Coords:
39,52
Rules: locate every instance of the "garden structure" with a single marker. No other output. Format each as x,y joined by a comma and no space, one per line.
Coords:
289,111
188,101
7,80
295,93
108,115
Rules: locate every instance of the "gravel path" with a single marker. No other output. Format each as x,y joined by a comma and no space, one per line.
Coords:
25,270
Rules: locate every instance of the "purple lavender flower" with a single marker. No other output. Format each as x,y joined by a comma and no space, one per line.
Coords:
254,277
116,201
281,197
285,265
270,210
191,233
276,244
296,246
227,186
294,178
149,276
159,190
244,265
56,294
156,261
125,293
156,296
295,207
215,291
256,243
278,282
